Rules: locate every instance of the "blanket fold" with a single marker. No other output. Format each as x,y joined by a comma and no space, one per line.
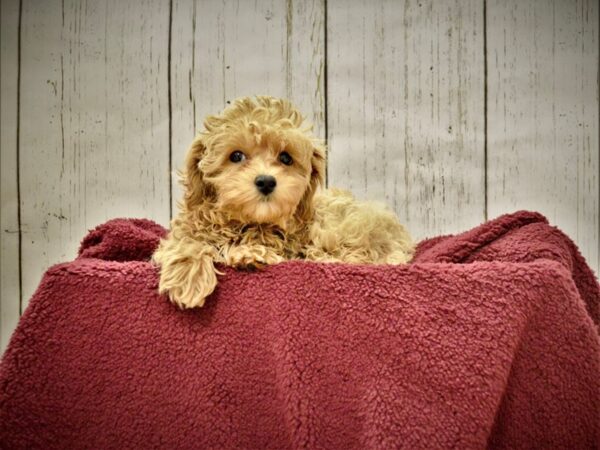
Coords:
489,339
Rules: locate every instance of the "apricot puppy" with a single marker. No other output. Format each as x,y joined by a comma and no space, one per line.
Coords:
252,197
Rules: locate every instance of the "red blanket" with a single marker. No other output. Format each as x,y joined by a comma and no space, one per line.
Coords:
489,339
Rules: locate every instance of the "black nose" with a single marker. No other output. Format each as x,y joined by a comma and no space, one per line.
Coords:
265,184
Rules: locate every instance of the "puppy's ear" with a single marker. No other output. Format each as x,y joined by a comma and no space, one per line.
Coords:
304,211
317,177
197,190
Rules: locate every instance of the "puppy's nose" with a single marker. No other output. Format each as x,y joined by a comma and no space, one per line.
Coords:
265,184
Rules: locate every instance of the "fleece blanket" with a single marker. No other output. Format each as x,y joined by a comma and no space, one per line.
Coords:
489,339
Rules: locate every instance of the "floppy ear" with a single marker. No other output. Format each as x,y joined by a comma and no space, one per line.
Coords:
317,177
304,211
196,189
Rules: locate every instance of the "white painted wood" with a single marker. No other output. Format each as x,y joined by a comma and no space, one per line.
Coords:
94,122
9,222
405,108
225,50
543,114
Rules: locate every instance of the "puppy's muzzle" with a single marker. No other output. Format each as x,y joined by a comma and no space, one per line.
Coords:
265,184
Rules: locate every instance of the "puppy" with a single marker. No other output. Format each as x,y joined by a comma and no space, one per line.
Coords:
252,198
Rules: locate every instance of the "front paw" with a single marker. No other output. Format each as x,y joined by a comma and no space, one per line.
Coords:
248,263
251,259
188,284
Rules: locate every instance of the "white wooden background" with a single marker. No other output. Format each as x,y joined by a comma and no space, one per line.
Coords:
451,111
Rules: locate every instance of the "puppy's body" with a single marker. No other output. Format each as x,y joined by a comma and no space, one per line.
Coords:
251,199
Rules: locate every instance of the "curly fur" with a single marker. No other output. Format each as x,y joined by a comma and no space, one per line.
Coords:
224,218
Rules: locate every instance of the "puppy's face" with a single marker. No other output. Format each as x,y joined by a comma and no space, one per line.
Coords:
260,173
257,163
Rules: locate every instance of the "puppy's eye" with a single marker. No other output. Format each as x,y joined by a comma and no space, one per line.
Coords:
285,158
237,156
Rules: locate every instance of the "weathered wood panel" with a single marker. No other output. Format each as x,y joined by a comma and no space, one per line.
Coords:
9,220
543,114
94,138
225,50
405,108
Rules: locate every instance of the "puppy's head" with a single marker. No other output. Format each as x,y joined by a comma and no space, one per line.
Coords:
255,163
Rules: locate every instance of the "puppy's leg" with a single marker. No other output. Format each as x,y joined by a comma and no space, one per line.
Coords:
251,257
187,271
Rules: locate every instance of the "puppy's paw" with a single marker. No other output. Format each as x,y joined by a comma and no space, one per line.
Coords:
247,263
191,295
251,258
255,266
188,283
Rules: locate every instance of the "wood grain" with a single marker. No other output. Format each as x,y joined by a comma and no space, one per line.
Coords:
543,114
222,50
420,111
405,108
9,217
94,128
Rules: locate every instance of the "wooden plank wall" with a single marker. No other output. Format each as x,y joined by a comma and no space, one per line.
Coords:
9,199
450,112
406,111
94,122
543,114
